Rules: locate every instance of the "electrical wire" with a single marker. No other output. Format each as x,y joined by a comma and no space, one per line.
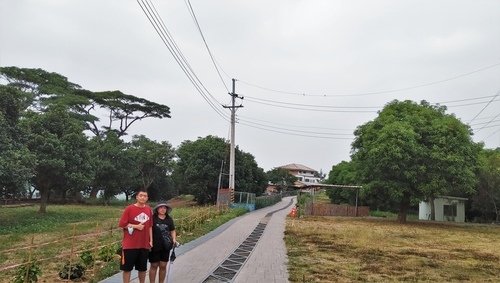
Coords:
490,135
157,22
487,123
490,126
186,62
375,92
308,109
299,131
294,134
483,123
193,15
498,93
294,126
309,106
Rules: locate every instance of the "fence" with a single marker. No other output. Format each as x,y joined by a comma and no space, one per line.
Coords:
327,209
236,199
196,218
69,245
66,248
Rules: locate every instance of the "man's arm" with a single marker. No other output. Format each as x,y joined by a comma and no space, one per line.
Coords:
150,236
123,223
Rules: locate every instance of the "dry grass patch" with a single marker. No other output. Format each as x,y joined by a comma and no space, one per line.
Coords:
341,249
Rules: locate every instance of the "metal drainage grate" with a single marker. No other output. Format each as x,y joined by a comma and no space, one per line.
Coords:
228,269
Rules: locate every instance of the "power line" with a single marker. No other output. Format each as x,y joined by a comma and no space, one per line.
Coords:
483,123
274,102
313,108
487,127
259,100
307,109
374,92
193,15
155,19
295,134
492,134
498,93
299,131
489,122
295,126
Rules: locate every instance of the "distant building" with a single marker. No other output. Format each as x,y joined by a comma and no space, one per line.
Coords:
304,174
306,177
446,209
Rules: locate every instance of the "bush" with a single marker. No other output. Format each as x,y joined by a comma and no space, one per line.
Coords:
72,271
29,271
87,258
107,253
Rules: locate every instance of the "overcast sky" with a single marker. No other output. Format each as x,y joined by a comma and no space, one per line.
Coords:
353,55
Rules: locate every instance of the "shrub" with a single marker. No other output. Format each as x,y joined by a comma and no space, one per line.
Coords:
87,258
72,271
107,253
28,272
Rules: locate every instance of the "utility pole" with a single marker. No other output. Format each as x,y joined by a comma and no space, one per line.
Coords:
233,108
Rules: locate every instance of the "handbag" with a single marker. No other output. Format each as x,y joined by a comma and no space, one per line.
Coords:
167,240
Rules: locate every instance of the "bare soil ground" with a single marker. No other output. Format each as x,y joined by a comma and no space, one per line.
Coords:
341,249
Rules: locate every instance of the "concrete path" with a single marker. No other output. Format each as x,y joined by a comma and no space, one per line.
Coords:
267,262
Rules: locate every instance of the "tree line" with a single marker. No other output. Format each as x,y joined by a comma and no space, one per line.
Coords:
54,141
416,152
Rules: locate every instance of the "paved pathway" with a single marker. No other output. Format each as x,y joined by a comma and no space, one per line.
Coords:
267,262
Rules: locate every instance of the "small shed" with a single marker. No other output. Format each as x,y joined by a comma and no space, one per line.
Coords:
447,208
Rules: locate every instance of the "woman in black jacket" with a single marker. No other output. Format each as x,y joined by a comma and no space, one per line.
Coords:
164,237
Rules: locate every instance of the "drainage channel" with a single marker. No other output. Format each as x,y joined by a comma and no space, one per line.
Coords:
228,269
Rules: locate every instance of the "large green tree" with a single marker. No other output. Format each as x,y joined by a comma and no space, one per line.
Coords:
47,88
343,173
152,159
113,166
198,168
249,177
487,198
16,161
62,152
42,92
413,152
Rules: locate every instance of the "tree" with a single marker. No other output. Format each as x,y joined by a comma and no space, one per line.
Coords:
16,162
198,167
38,85
152,159
113,166
249,177
281,177
48,89
124,109
61,149
487,198
415,152
343,173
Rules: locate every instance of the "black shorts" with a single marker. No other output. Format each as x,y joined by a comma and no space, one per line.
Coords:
134,257
156,256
